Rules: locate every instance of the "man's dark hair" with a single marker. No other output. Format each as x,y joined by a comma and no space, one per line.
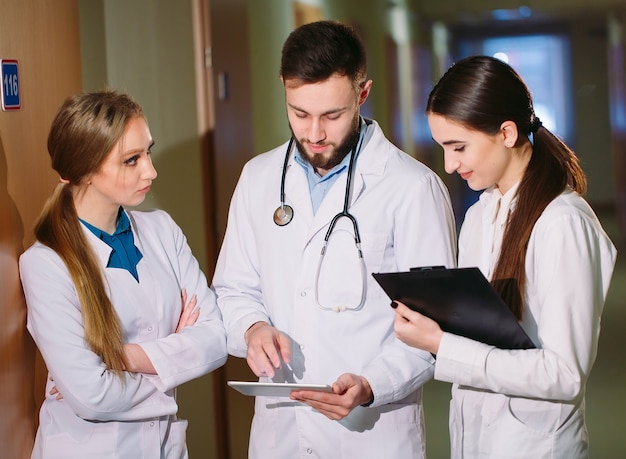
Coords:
316,51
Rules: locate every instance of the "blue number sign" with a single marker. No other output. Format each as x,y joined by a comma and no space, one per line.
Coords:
10,85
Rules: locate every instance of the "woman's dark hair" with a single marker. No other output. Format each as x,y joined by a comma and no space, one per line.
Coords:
316,51
481,93
84,132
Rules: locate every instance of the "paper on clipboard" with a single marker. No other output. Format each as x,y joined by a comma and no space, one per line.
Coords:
461,301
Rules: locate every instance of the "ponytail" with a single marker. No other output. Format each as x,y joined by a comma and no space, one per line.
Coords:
58,228
552,167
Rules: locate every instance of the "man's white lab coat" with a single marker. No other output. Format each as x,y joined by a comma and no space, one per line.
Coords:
268,273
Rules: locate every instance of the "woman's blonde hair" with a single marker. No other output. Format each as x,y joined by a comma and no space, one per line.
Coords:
85,130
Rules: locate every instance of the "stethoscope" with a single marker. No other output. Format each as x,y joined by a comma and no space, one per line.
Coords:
284,215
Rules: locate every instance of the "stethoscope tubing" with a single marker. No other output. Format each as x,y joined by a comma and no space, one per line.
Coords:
284,214
346,201
284,174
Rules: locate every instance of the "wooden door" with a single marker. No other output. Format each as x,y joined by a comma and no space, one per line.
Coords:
232,144
44,38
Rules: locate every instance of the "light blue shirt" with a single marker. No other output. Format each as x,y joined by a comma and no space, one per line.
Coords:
319,185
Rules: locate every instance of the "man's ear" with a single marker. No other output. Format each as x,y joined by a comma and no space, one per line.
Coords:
364,91
509,133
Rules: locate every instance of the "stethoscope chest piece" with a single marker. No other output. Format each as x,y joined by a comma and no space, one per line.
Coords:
283,215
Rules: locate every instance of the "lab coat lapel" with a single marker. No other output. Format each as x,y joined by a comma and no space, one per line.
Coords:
146,278
101,248
334,199
490,201
371,161
330,206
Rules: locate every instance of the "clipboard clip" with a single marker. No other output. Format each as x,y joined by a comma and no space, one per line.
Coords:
427,268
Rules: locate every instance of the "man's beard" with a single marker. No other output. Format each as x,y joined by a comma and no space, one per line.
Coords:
338,152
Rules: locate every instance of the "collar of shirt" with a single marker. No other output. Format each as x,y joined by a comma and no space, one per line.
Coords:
504,205
319,185
124,253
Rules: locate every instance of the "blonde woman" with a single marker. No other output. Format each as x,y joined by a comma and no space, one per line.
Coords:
117,303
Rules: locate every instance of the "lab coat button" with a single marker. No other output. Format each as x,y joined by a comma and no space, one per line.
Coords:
309,450
152,424
149,329
303,293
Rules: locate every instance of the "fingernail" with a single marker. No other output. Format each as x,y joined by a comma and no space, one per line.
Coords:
394,304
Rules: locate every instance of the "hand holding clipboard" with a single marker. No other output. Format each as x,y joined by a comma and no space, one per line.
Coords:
461,301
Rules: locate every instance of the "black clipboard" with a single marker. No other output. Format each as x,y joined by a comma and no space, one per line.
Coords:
461,301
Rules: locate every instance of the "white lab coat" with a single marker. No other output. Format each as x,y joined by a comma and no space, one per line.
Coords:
101,416
267,273
531,403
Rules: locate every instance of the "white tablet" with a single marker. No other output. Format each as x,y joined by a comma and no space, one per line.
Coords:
274,389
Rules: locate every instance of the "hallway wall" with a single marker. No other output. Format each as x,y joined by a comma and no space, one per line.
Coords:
146,47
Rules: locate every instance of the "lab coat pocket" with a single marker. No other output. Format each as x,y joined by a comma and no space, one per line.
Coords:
343,276
272,418
521,429
392,431
537,415
176,445
373,248
100,444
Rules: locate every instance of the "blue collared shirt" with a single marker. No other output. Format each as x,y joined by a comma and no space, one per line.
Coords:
125,254
319,185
